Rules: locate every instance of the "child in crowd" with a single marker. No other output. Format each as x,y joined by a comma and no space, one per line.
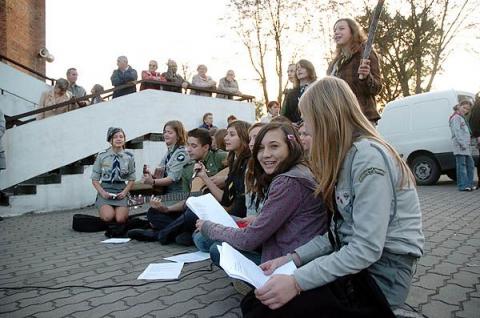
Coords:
461,136
273,109
305,139
364,266
97,89
291,214
112,168
169,173
218,141
207,121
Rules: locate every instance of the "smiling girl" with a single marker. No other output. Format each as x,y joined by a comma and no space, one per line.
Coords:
348,65
112,168
291,214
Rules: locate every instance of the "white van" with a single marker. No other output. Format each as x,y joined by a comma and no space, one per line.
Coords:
417,127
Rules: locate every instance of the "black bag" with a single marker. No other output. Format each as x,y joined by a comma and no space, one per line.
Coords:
88,223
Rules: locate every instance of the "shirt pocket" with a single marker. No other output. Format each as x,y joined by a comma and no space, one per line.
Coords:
106,173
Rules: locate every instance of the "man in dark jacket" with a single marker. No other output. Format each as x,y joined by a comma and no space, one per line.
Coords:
123,75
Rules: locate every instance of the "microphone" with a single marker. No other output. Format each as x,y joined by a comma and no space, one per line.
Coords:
195,171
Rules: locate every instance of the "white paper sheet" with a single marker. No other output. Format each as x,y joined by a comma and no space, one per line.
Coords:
206,207
116,240
189,257
238,266
162,271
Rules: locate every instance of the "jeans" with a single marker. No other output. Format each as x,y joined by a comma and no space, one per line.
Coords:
465,167
207,245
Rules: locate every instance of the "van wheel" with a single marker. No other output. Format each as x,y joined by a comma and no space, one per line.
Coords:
425,169
452,174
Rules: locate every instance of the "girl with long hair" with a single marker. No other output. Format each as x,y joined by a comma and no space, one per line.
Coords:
364,266
349,65
306,75
291,214
171,166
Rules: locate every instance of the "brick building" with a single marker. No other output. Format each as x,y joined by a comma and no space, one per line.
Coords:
22,32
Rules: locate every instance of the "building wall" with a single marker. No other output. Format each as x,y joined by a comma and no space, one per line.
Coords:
22,31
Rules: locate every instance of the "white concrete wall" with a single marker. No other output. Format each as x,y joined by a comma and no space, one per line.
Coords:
47,144
21,84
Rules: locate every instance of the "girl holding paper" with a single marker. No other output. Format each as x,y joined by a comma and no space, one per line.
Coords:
291,214
364,266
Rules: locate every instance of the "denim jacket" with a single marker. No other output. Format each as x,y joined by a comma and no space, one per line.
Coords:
377,220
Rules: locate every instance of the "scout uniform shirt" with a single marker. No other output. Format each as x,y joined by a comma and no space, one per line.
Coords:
104,169
214,162
173,162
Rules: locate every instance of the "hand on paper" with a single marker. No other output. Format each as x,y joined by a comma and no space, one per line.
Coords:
278,291
270,266
199,225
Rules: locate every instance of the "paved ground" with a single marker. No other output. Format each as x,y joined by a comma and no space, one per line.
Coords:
42,250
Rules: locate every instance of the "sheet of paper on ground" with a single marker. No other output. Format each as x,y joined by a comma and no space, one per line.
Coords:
197,256
162,271
116,240
236,265
206,207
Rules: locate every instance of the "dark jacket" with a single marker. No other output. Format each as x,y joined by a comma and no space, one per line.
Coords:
366,89
290,105
119,78
474,120
174,78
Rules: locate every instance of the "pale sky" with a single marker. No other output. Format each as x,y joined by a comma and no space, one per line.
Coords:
89,35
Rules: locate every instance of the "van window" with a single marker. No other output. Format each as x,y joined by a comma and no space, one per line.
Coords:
431,114
462,97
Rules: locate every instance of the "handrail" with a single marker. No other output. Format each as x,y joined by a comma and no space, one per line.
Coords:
87,97
2,57
5,90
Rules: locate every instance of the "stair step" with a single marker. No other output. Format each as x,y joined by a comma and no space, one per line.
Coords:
87,161
73,168
154,137
46,178
136,143
21,189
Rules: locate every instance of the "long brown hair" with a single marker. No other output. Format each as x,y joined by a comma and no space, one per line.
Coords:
235,162
358,38
257,180
312,75
179,129
333,115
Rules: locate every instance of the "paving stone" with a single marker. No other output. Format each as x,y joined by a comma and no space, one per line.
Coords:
431,281
452,294
465,279
438,309
444,268
103,310
471,308
418,295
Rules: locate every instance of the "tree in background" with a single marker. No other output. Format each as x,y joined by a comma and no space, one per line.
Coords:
268,29
415,40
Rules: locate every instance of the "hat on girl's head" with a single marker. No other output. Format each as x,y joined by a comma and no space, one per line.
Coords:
112,131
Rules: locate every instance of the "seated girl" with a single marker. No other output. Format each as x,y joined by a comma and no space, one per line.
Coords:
112,168
364,266
172,163
291,215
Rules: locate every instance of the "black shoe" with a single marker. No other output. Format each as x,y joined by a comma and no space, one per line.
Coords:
184,238
143,235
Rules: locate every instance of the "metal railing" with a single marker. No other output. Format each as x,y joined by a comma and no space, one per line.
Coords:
4,58
15,120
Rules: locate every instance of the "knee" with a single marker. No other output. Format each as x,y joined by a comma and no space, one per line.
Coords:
202,243
121,218
215,254
106,217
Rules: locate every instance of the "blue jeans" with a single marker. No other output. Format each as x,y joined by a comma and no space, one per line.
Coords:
465,167
207,245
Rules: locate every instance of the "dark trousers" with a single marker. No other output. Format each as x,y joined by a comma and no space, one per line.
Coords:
172,224
351,296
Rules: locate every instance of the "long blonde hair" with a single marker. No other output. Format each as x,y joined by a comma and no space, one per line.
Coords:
335,120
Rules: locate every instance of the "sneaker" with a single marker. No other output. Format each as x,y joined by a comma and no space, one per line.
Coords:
184,239
474,188
241,287
143,235
466,189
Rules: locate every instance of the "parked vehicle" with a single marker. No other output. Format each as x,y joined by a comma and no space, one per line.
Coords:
417,127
